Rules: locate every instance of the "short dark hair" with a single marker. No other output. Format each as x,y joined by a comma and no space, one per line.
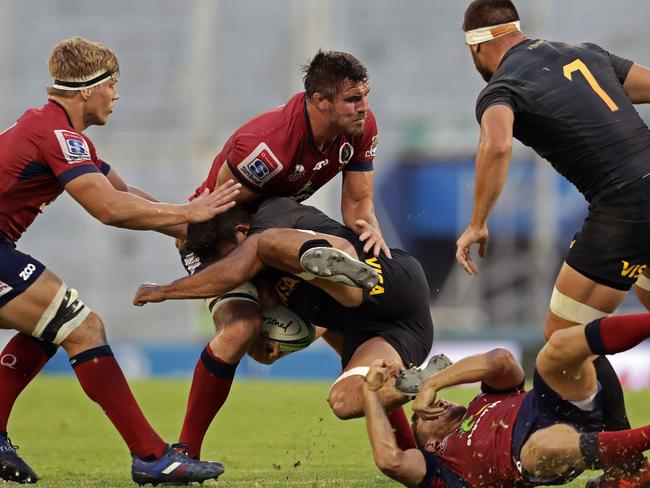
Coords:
212,239
329,69
485,13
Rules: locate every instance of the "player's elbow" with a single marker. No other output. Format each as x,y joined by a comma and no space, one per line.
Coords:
497,149
107,216
501,363
389,462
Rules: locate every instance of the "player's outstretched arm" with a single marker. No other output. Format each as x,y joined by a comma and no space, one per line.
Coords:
637,84
497,368
358,211
178,231
492,163
408,467
238,267
97,195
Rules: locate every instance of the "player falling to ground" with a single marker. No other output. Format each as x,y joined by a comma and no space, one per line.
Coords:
391,319
508,437
291,150
573,104
44,153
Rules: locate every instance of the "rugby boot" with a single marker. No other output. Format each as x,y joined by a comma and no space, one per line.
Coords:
409,380
173,467
12,467
335,265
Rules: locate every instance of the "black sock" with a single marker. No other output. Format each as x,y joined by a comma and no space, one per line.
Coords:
307,245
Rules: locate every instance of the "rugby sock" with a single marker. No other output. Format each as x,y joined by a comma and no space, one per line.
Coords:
103,381
22,358
210,387
307,245
609,335
605,449
403,431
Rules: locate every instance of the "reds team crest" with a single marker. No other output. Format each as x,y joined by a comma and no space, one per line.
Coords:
345,153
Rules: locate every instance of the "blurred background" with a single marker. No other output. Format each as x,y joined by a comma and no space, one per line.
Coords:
194,71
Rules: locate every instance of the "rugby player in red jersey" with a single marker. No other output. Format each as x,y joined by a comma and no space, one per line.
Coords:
574,105
506,436
44,153
291,150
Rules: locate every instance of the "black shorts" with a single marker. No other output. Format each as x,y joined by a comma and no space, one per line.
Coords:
613,246
542,408
18,271
397,310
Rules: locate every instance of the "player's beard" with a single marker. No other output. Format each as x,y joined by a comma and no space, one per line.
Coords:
356,128
484,72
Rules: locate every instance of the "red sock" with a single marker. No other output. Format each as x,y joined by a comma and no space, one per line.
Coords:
22,358
607,449
210,387
403,432
610,335
103,381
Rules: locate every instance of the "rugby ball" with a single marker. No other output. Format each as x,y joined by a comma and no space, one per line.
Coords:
287,328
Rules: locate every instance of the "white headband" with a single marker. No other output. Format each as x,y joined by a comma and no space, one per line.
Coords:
84,83
483,34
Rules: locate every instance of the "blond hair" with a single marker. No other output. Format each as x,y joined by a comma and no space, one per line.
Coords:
77,58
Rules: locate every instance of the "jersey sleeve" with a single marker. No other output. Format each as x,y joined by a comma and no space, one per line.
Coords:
621,66
68,153
257,162
498,93
274,213
365,147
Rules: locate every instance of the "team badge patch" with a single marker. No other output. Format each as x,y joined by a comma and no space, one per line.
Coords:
298,172
345,153
260,165
73,146
370,153
4,288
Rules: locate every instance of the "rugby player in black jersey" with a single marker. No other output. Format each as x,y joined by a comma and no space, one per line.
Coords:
389,319
573,104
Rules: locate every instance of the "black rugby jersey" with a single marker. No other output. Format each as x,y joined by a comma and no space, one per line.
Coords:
571,108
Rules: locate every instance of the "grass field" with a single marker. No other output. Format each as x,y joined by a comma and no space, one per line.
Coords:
269,434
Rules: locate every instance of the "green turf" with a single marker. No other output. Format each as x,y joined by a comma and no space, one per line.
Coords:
269,434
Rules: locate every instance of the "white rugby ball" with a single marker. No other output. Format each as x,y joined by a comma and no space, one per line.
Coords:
287,328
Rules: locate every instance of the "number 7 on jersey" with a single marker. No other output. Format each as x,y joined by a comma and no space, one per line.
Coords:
578,65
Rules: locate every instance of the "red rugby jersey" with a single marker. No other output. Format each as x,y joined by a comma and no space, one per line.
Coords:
39,154
480,451
275,154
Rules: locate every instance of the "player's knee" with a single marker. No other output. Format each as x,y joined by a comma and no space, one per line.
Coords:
90,333
557,349
643,295
546,454
345,404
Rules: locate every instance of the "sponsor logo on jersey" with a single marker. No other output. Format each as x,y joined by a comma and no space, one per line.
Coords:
4,288
345,153
632,270
260,165
321,164
73,146
478,417
284,288
191,262
298,172
305,192
370,153
379,289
